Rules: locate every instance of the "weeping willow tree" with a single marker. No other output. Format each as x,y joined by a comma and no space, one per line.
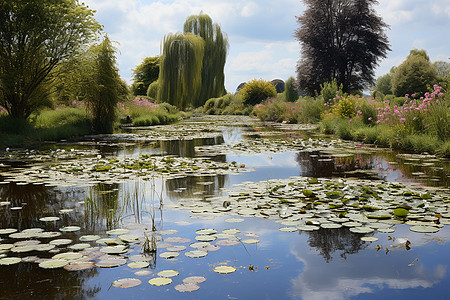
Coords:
180,77
216,48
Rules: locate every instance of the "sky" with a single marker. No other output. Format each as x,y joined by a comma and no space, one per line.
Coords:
261,33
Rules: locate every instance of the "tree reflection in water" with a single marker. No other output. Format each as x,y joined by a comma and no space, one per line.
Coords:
328,241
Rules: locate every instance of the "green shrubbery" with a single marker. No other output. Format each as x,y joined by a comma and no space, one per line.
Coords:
257,90
227,105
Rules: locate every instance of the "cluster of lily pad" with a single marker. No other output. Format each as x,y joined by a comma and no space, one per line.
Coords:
306,204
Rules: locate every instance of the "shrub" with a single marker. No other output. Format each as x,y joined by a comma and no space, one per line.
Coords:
346,107
369,112
257,90
152,91
329,90
291,91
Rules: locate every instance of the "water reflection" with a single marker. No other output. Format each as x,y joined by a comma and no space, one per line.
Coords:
329,241
195,186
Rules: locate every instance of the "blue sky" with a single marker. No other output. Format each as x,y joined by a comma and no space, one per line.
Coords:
260,32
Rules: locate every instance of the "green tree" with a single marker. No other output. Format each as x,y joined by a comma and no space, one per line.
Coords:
105,86
342,39
414,76
216,48
291,91
144,74
441,68
35,36
180,77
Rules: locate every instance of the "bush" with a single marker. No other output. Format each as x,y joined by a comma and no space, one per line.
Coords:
369,113
152,91
329,90
257,90
291,92
346,107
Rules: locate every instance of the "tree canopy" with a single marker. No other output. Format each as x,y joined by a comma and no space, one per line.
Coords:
144,74
35,36
340,39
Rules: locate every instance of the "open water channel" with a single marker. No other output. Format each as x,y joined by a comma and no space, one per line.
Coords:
224,208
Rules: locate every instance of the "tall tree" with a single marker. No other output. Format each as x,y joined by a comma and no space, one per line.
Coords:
340,39
180,76
104,87
216,48
144,74
35,36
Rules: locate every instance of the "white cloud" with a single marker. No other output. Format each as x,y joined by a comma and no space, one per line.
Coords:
250,9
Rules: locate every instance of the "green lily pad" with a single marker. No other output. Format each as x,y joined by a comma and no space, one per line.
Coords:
118,231
250,241
139,264
6,246
70,228
168,273
206,231
288,229
369,239
118,249
128,238
44,247
362,230
205,238
196,253
111,263
8,230
224,269
9,261
176,248
169,255
79,246
158,281
53,263
49,219
194,279
78,266
48,235
68,256
308,227
424,229
60,242
186,287
89,238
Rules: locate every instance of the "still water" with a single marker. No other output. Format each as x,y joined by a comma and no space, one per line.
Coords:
269,263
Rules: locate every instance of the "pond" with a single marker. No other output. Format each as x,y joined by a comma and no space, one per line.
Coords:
223,207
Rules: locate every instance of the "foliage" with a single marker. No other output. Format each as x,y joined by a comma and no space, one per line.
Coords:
441,68
329,90
36,36
346,107
144,112
256,91
384,84
152,90
340,39
226,105
414,76
180,79
291,92
216,48
144,74
104,88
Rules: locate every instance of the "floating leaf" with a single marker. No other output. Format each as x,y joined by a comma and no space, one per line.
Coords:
9,260
118,249
196,253
386,230
230,242
231,231
308,227
251,241
168,273
49,219
89,238
194,279
68,256
111,263
330,225
169,255
288,229
126,283
50,234
205,238
78,266
79,246
118,231
109,241
70,228
205,231
186,287
22,249
53,263
167,232
158,281
60,242
142,273
362,230
6,246
224,269
176,248
7,230
44,247
369,239
139,264
128,238
424,229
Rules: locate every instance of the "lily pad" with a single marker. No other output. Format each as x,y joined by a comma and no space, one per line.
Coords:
49,219
186,287
142,273
9,261
206,231
79,246
362,230
78,266
424,229
231,231
111,263
224,269
288,229
369,239
70,228
89,238
49,234
196,253
118,231
308,227
169,255
60,242
68,256
126,283
118,249
177,240
6,246
44,247
194,279
128,238
330,225
158,281
229,242
205,238
250,241
168,273
176,248
139,264
53,263
8,230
